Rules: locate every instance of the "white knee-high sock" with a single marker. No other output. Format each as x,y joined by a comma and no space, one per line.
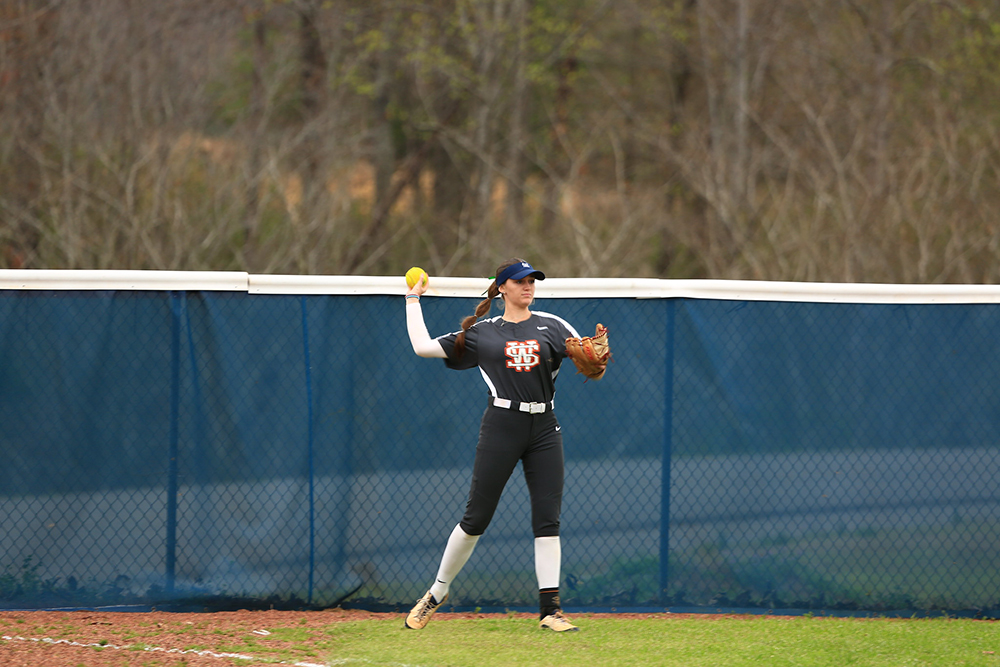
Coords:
460,546
548,560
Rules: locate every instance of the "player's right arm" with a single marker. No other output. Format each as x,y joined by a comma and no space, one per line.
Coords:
420,339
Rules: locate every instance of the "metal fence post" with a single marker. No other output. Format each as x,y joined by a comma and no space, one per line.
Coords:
176,308
309,427
668,424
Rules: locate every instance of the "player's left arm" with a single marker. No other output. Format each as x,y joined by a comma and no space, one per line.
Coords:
561,330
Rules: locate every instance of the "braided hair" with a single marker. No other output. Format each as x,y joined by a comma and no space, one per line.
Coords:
484,306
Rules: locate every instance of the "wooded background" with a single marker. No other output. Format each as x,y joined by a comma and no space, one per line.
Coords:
830,140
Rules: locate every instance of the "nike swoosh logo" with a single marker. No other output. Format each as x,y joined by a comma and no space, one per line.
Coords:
541,328
558,428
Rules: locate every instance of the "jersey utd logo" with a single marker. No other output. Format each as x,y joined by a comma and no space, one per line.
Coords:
522,355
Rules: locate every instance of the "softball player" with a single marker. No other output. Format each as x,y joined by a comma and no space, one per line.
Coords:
518,354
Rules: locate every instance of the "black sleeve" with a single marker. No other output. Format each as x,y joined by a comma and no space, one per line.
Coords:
561,330
469,358
564,333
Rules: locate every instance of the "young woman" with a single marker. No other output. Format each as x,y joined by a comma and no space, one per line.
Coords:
519,354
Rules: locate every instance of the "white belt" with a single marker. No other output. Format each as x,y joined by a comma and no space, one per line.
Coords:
533,408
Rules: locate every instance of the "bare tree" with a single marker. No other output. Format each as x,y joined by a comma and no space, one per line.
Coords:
799,140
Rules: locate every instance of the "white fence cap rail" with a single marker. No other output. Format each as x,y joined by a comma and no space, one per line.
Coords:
439,286
761,290
87,279
642,288
563,288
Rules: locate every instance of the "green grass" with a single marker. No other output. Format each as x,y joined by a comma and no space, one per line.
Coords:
657,641
691,640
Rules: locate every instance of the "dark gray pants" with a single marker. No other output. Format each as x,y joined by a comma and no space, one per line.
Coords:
506,437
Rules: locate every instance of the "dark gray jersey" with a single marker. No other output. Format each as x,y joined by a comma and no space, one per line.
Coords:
519,361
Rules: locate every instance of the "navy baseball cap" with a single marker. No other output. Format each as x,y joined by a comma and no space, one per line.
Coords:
518,271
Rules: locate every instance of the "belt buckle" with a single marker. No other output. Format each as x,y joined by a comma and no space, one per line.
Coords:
535,408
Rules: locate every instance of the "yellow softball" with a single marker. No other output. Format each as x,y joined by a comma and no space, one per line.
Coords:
413,275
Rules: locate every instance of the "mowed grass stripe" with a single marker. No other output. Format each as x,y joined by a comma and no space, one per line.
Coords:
665,640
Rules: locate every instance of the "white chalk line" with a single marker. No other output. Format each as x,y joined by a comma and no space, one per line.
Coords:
159,649
204,653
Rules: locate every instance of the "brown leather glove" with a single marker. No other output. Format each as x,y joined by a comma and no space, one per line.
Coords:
590,354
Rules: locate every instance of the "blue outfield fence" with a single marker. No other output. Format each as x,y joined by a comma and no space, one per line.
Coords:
747,448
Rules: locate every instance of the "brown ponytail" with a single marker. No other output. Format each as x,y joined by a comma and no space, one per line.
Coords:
483,308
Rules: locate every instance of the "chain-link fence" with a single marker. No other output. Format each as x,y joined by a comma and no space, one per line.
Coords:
232,448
